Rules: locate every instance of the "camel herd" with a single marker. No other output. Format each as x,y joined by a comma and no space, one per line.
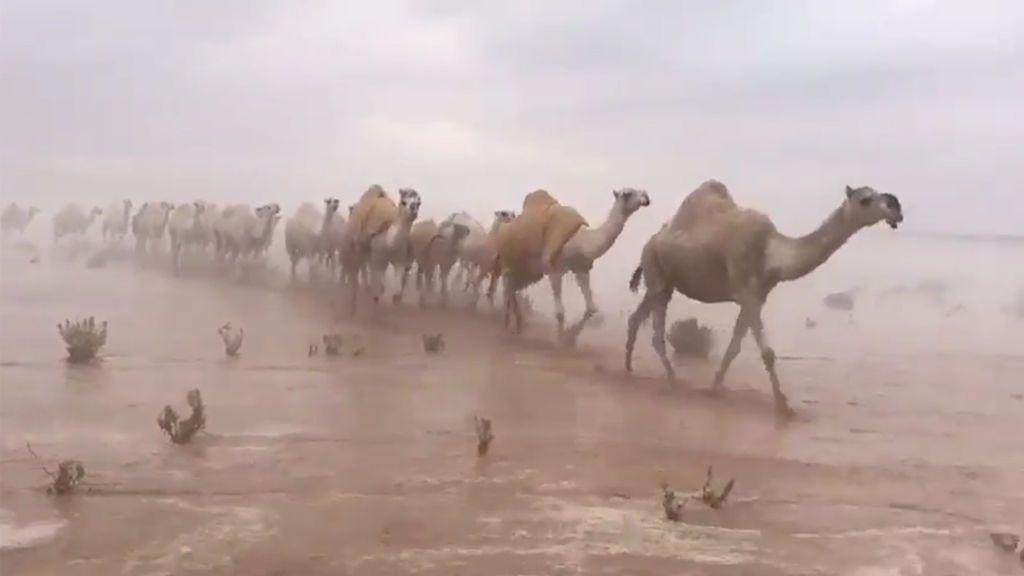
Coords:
711,250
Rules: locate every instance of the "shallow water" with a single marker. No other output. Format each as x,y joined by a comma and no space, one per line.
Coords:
905,452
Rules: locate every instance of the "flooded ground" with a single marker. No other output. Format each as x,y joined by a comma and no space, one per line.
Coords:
905,453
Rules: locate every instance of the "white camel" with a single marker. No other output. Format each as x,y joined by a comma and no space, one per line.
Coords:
149,225
73,220
435,249
716,251
262,245
16,219
585,247
116,219
477,252
184,227
203,232
242,231
332,244
306,233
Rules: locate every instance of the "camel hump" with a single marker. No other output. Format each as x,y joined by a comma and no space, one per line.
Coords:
422,232
707,202
713,187
373,214
538,199
561,224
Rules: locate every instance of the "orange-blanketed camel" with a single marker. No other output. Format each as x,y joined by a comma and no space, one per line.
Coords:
528,247
713,250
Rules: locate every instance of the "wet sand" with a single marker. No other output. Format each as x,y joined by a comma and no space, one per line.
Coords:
896,464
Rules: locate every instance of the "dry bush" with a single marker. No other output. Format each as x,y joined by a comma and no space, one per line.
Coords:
83,338
689,339
182,431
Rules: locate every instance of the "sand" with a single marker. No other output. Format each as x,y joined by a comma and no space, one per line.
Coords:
899,462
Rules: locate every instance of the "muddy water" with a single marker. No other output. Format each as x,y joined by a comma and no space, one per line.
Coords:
899,462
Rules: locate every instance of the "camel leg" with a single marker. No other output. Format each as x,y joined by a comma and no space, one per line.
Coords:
403,281
570,337
583,279
739,330
768,357
556,290
659,310
442,278
643,310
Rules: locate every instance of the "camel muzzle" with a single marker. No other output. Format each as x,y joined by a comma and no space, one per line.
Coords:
892,204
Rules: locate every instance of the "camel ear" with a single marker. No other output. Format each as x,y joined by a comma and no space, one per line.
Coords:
849,192
616,193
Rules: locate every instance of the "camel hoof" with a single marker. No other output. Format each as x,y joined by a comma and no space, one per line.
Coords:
568,340
783,411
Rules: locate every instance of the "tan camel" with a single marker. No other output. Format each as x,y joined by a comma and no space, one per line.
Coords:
376,236
583,249
529,246
716,251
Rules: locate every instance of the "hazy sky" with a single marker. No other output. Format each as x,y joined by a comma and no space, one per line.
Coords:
476,103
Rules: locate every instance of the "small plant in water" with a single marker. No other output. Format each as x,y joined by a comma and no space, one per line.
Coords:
484,436
83,338
332,344
433,343
182,431
232,338
673,505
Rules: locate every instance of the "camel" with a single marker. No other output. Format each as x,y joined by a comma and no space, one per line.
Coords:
306,233
203,228
332,243
184,227
478,251
529,246
714,250
149,225
377,235
262,245
435,249
241,231
72,219
586,246
116,219
14,218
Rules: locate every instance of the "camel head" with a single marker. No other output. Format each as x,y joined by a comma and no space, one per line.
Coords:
32,211
456,232
409,203
199,207
504,216
866,207
94,213
630,199
331,206
266,214
351,208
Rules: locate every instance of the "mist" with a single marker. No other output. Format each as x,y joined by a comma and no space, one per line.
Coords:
364,461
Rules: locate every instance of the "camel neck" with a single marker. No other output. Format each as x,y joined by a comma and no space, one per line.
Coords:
401,232
792,258
326,224
601,239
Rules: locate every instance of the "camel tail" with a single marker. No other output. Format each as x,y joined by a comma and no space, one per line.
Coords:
634,281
